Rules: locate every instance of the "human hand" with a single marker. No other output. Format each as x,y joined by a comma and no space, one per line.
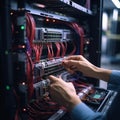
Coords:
63,92
79,63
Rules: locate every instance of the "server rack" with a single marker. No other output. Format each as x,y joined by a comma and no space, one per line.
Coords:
53,21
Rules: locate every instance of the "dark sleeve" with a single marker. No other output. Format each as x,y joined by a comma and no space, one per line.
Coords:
114,81
115,77
83,112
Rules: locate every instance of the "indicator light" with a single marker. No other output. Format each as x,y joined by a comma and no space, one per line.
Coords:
6,52
47,20
7,87
22,27
53,20
23,83
24,109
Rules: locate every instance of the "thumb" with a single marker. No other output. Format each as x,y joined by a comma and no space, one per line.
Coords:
52,78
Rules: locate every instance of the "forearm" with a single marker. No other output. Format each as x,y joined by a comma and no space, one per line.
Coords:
101,73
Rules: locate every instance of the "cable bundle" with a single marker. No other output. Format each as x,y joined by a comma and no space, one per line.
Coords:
50,50
29,73
58,49
30,28
38,51
79,30
65,44
63,49
42,109
86,92
30,33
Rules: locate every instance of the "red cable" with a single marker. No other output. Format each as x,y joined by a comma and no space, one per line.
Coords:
32,35
74,49
79,30
58,49
49,53
29,75
65,44
12,27
30,28
63,49
17,115
51,49
40,50
18,103
81,33
36,52
27,26
80,85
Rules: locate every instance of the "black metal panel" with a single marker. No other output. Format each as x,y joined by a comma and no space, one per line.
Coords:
64,6
7,102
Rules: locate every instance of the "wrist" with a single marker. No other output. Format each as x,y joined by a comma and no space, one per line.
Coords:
73,102
103,74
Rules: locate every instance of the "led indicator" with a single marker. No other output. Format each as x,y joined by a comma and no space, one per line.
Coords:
53,20
23,46
23,83
24,109
6,52
47,20
22,27
7,87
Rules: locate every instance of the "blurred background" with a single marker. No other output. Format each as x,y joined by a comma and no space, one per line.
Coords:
110,36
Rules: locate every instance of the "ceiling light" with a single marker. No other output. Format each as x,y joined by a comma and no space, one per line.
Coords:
116,3
115,14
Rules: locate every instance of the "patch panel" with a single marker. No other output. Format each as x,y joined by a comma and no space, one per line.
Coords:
52,35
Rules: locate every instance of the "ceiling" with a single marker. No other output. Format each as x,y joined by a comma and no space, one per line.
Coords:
108,4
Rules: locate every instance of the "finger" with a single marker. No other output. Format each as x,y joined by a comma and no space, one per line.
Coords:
70,83
70,67
70,71
51,92
70,63
52,78
74,57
